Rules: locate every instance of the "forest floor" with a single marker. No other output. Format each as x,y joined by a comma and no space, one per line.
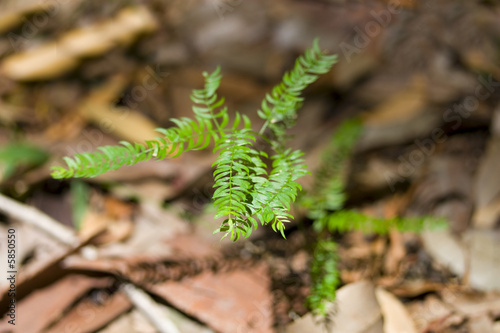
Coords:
132,250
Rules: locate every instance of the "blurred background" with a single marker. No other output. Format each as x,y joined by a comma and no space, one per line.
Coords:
423,76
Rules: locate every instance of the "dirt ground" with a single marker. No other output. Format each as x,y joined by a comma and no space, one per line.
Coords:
133,250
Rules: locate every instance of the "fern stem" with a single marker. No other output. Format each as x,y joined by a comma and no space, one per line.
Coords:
216,123
261,132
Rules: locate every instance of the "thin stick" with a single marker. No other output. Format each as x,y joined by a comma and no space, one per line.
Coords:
148,307
39,220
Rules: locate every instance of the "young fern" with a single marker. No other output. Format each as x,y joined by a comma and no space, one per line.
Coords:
348,220
324,275
326,197
327,193
324,207
279,109
246,191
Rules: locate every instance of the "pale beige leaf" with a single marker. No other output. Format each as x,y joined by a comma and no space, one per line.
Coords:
480,249
55,58
396,318
355,311
487,187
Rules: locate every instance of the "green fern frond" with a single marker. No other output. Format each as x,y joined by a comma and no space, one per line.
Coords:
273,197
279,108
327,193
325,205
208,100
348,220
259,199
187,135
245,193
325,277
237,166
18,156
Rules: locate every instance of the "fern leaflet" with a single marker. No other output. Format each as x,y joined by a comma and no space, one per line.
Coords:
347,220
273,197
325,276
237,165
279,109
245,193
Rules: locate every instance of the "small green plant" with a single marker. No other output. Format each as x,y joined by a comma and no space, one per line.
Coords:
248,191
20,155
80,194
325,203
252,187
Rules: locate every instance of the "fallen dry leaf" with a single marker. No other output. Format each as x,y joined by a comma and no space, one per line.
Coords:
123,122
14,13
50,302
481,324
56,58
487,187
395,253
396,318
135,321
235,301
89,315
480,249
472,303
355,311
115,218
403,116
428,311
306,324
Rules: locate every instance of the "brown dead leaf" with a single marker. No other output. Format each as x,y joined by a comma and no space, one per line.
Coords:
431,310
49,303
207,296
445,324
480,324
56,58
127,257
123,122
411,100
410,289
396,318
395,253
306,323
115,230
356,310
134,321
14,13
89,315
479,61
346,73
40,273
233,301
109,91
403,116
115,217
66,128
472,303
131,322
476,255
404,3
